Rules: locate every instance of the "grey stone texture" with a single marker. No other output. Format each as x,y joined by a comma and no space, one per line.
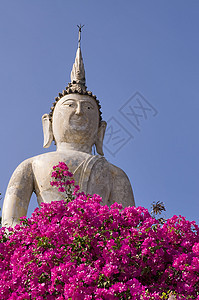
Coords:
75,125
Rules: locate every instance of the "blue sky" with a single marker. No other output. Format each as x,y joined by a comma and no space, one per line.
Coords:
135,53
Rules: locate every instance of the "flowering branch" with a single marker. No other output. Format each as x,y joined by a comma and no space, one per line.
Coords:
64,181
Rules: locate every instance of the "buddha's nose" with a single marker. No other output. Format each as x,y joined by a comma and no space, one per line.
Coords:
79,109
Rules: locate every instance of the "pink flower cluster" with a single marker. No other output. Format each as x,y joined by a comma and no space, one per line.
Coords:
61,174
83,250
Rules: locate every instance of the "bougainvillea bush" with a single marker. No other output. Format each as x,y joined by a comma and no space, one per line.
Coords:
78,249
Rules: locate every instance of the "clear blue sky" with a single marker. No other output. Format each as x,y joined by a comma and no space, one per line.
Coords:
150,47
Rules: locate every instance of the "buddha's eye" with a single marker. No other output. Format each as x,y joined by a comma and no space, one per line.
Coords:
69,104
88,106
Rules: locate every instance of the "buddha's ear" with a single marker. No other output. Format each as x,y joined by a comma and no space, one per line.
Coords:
47,130
100,138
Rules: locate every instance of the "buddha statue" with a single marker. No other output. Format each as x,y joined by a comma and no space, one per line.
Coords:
75,125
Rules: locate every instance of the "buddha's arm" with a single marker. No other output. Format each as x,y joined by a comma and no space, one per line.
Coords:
121,190
18,194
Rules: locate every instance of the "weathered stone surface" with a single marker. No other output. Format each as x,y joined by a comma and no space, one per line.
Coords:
75,125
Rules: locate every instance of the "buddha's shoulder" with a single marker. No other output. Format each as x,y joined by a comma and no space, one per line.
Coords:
119,177
45,157
53,158
117,172
114,170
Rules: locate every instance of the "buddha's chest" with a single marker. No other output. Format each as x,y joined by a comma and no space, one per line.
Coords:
43,167
90,173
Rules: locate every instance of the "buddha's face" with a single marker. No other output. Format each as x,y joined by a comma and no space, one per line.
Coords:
76,119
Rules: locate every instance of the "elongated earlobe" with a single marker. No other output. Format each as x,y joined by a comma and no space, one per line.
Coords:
47,131
100,138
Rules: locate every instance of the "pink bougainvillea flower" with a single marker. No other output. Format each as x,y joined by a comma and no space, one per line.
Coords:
77,248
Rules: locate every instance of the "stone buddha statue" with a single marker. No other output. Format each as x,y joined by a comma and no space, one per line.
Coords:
75,125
